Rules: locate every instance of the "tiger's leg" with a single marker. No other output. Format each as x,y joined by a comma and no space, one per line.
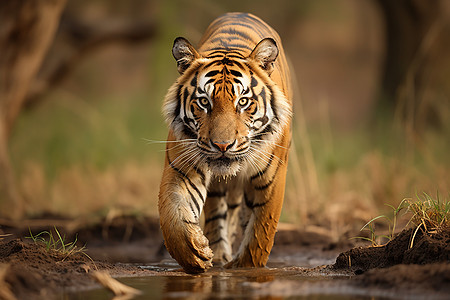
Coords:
216,229
234,215
181,200
221,218
263,196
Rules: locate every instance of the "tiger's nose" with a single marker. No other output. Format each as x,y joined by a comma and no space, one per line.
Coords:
222,146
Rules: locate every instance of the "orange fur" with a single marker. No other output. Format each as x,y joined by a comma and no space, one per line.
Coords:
229,117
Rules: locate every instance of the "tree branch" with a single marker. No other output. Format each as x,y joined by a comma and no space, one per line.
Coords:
87,39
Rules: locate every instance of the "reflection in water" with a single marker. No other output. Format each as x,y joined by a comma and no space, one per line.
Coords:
217,283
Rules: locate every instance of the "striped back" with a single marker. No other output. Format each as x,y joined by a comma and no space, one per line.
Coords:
238,34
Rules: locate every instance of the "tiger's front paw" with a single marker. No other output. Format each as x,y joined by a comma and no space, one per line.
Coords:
191,249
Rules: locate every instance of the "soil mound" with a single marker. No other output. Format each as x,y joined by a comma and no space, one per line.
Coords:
34,270
426,249
423,268
30,269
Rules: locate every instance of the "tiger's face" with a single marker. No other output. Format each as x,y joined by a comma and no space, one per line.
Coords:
228,109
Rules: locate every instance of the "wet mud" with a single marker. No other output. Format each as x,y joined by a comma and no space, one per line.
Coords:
304,264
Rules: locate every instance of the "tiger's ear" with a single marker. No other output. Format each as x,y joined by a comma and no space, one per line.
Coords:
265,54
184,53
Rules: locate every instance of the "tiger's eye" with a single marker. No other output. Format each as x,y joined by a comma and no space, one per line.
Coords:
203,102
243,102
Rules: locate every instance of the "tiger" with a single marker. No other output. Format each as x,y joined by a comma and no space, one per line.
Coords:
229,117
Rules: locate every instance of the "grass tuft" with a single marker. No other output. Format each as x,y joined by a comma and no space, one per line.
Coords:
375,238
57,243
431,215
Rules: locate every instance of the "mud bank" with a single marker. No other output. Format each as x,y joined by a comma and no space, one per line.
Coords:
29,270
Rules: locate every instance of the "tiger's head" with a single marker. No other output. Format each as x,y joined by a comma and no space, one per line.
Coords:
225,108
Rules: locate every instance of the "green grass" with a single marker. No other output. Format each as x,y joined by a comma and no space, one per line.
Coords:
63,133
57,242
80,141
374,238
429,214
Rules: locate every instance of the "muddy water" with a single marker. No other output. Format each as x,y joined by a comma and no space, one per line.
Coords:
274,282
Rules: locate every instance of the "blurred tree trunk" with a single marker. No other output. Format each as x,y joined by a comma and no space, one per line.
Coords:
27,28
412,39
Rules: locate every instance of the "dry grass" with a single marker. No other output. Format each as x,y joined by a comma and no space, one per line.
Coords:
77,154
349,196
77,191
431,215
120,290
342,199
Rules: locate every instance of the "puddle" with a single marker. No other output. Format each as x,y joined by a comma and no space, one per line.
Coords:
217,283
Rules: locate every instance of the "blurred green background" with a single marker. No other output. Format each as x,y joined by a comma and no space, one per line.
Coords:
81,149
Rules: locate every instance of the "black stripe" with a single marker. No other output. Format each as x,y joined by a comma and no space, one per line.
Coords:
223,39
178,108
215,62
190,222
253,82
194,79
210,81
216,241
213,55
249,203
254,111
187,121
239,23
223,53
212,73
263,121
260,173
188,132
236,73
263,94
244,225
233,206
233,31
235,55
185,95
259,204
201,174
217,194
193,198
240,145
268,129
227,50
265,186
239,46
216,217
193,211
272,104
187,178
258,23
238,64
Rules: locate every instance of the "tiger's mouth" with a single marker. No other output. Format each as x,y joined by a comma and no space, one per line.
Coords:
224,165
222,160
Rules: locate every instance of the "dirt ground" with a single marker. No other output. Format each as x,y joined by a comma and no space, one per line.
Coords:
29,270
